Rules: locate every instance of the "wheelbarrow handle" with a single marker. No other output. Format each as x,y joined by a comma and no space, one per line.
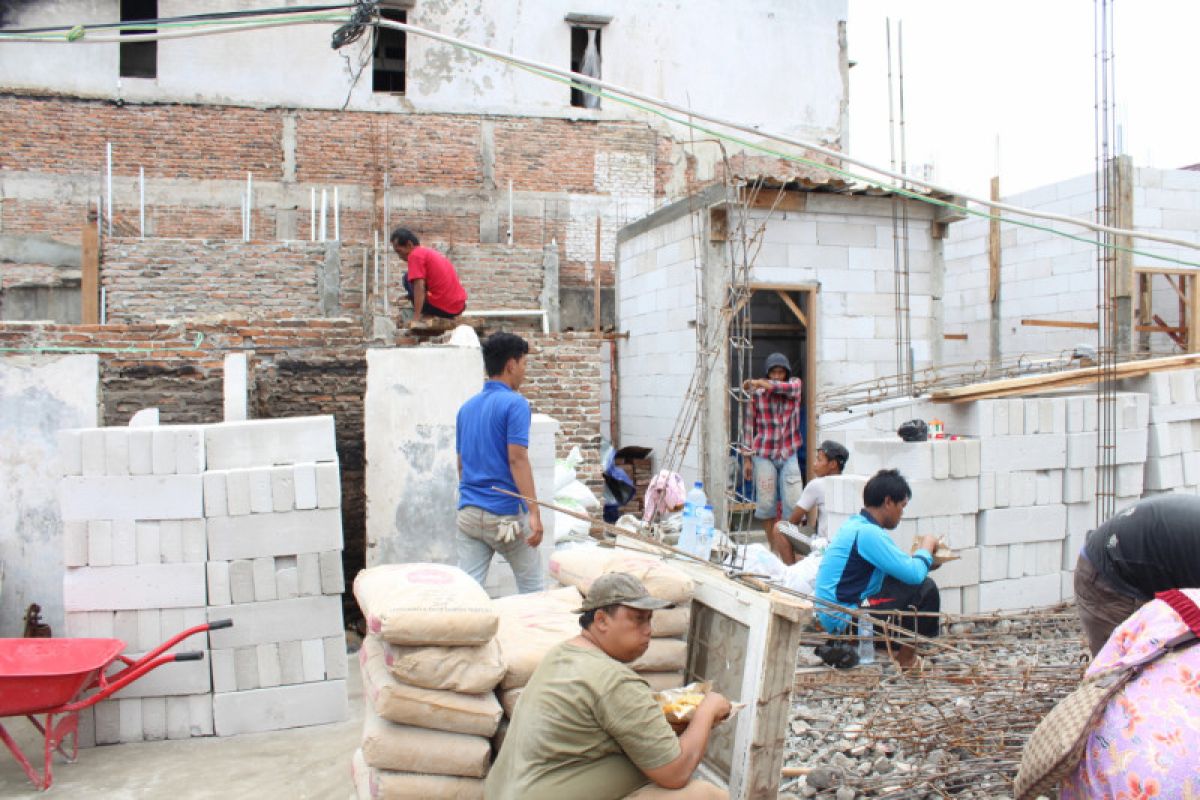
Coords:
220,623
191,655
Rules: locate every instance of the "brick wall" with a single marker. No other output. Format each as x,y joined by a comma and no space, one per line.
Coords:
149,279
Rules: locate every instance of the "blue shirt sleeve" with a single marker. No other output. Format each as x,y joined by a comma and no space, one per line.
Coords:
880,550
518,419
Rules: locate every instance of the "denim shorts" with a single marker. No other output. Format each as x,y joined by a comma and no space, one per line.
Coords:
776,480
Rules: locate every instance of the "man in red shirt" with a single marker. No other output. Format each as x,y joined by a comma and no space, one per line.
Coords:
431,281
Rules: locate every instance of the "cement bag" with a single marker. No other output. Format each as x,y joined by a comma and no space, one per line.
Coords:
663,655
402,748
662,681
802,576
508,700
531,624
425,604
670,622
455,669
660,578
477,714
578,492
377,784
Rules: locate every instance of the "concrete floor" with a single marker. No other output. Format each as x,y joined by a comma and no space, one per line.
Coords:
293,764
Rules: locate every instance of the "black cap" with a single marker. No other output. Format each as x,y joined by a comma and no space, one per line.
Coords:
835,452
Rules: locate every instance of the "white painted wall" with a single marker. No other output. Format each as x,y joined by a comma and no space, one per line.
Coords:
716,67
39,396
656,305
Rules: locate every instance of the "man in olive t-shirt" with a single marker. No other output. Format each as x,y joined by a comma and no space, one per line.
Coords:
587,726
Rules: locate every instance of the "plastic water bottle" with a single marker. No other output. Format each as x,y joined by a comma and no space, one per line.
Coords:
705,519
866,640
692,505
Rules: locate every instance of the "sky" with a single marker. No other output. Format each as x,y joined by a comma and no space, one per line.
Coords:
1023,71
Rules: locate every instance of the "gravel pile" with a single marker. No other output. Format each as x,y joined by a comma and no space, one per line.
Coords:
956,729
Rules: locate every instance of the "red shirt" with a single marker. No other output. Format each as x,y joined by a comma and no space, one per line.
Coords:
442,288
773,419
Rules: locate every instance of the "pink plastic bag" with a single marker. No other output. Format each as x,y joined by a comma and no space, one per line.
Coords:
665,493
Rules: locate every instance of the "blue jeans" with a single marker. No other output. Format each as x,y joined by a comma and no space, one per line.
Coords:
776,480
476,544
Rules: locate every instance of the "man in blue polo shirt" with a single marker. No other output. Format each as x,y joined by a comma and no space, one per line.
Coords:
492,439
863,567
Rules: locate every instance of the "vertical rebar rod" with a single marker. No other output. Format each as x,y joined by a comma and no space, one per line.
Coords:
108,172
142,201
904,299
324,211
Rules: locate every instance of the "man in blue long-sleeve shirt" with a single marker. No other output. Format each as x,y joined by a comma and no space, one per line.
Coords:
863,566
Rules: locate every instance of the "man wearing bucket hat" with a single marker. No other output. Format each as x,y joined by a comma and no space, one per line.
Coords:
588,726
773,419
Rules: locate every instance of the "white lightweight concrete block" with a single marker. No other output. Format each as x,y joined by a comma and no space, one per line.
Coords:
332,579
154,719
1075,414
216,503
269,442
130,716
1081,450
1032,417
291,663
305,486
219,593
70,452
843,494
189,451
1049,487
335,656
149,630
149,544
1000,421
277,621
179,678
1079,485
1163,473
1191,468
1012,453
993,563
132,497
1022,593
86,729
308,574
260,491
268,665
965,571
224,676
329,485
951,601
1020,524
108,722
283,488
1016,560
287,533
1131,446
312,657
1052,414
958,458
241,581
200,713
92,460
75,543
1158,413
170,541
973,454
162,455
245,665
1130,480
1023,489
178,718
913,459
100,545
235,383
124,542
287,583
1167,439
987,490
1067,585
1183,386
264,579
943,497
237,491
970,599
1003,490
1016,417
116,451
195,540
141,451
145,418
143,586
1091,415
279,708
941,458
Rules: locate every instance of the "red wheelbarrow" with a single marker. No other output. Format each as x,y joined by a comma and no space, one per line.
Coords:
51,677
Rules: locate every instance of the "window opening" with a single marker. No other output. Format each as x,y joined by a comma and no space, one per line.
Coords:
391,46
138,59
585,59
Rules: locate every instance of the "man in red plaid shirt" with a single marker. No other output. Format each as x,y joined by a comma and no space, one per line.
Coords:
773,428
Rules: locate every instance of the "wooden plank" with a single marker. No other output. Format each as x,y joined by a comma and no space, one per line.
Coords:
774,709
791,304
1030,384
1122,167
789,201
780,327
1178,337
955,337
1059,323
1160,270
1193,316
89,284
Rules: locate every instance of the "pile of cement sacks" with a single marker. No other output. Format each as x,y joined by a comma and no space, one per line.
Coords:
430,665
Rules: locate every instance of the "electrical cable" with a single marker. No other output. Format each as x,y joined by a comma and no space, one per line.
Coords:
181,30
158,21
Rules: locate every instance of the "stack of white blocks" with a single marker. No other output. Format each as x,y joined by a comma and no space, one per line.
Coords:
272,497
132,506
170,526
944,477
1173,465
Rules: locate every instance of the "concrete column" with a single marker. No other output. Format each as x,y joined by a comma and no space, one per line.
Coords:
550,299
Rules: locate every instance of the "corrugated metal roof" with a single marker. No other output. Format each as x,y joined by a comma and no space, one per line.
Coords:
824,182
